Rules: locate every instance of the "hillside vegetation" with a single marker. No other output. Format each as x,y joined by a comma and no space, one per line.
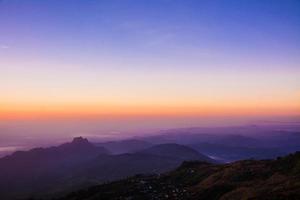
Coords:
248,179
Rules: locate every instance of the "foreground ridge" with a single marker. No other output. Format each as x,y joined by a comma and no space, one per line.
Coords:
248,179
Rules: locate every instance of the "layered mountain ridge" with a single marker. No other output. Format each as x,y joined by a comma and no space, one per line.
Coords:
79,164
248,179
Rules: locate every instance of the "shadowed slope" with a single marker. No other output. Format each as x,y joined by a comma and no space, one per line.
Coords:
176,151
266,179
125,146
79,164
41,169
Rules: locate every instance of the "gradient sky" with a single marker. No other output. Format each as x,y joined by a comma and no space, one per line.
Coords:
90,58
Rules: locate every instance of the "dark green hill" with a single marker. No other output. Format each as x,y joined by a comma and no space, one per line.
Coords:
248,179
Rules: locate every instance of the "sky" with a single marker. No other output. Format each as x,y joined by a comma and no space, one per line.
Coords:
126,59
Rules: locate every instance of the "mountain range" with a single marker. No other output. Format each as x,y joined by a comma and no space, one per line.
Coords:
277,179
79,164
55,171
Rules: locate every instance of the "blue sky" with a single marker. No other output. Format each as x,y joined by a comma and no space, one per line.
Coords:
153,54
153,30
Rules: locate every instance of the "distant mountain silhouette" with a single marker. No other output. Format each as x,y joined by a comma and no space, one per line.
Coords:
229,144
176,151
231,136
229,153
249,179
79,149
80,164
245,136
125,146
156,159
36,169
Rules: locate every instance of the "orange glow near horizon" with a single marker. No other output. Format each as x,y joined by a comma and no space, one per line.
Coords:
128,62
52,94
58,111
